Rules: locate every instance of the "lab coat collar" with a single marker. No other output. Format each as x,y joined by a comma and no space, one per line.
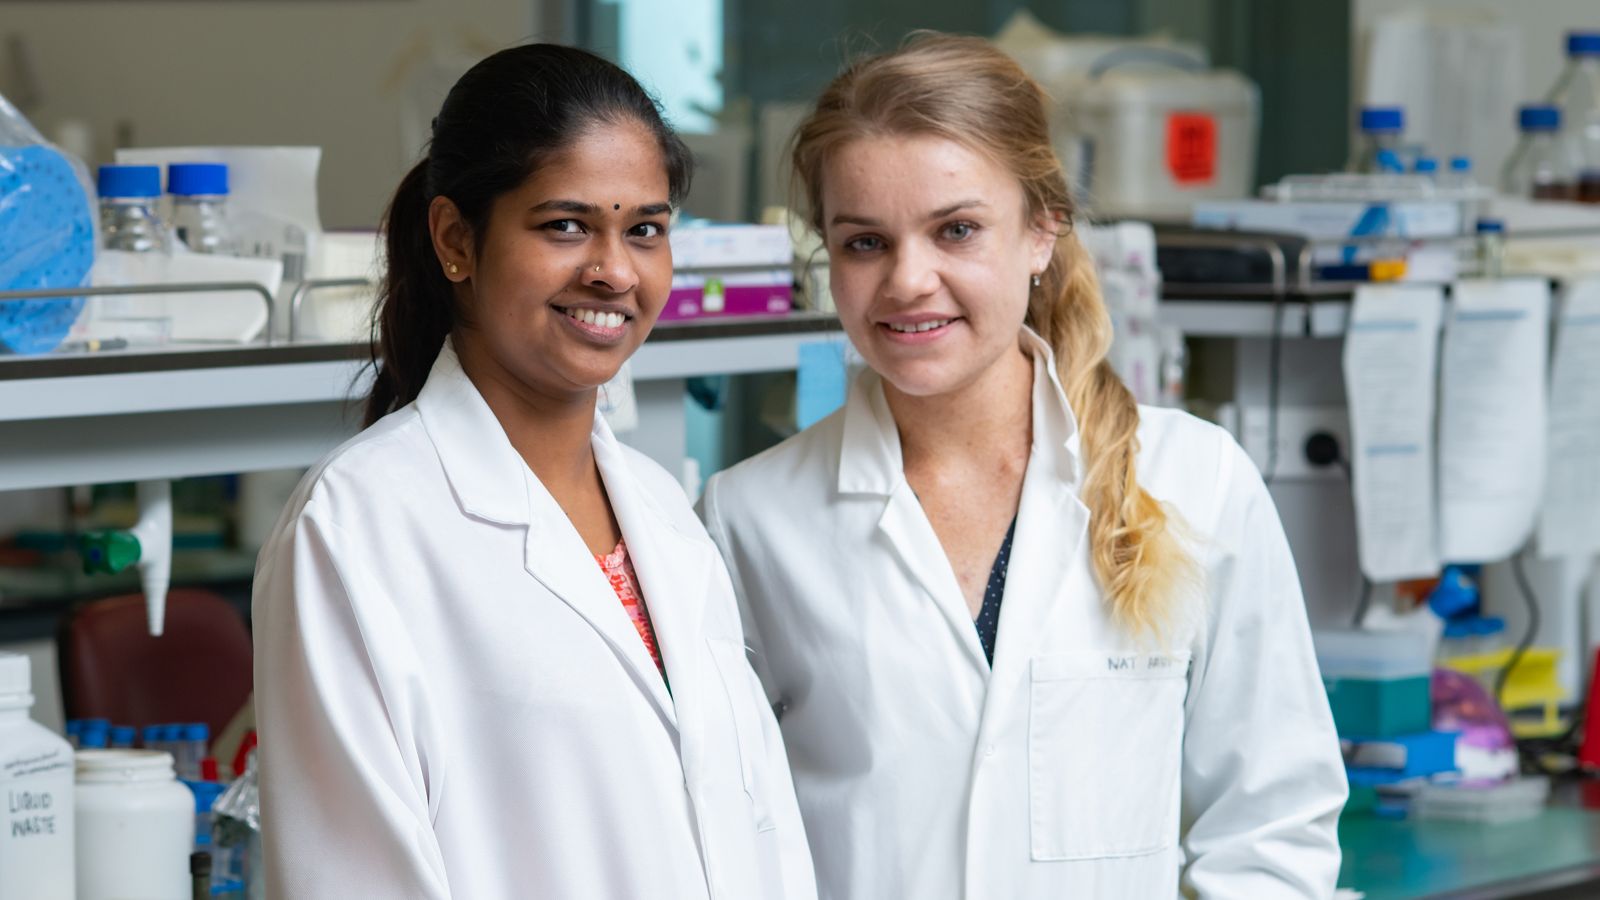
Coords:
870,460
483,469
473,448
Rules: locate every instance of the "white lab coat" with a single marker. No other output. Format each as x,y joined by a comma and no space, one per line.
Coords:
454,703
1085,765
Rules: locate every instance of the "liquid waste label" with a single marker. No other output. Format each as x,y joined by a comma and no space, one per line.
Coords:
32,805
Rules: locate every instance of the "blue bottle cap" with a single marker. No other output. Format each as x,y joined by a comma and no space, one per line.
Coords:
123,735
1426,165
196,731
1539,117
1583,43
1382,119
150,734
94,737
129,181
1491,226
74,726
1460,164
169,733
1389,161
197,179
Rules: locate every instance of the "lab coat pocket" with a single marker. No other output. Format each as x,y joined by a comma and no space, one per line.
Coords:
738,684
1105,749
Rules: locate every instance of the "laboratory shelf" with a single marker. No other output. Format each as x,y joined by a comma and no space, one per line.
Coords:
133,415
1223,318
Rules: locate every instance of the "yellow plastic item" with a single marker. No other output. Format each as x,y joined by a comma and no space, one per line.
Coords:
1386,270
1533,694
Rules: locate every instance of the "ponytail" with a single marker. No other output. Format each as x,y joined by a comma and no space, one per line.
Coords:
416,303
1137,557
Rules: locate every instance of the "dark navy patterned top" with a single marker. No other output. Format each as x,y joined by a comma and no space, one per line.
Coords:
988,620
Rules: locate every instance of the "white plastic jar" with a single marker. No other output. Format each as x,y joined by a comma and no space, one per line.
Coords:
135,827
35,795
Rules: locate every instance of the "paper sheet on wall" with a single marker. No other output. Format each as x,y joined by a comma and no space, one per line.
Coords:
1569,523
1390,358
1492,417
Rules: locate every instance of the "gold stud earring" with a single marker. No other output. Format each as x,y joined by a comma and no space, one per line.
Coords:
1036,279
452,268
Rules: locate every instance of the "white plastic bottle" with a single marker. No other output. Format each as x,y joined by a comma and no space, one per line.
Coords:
36,821
135,826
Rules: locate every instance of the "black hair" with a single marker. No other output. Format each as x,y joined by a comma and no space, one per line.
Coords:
506,116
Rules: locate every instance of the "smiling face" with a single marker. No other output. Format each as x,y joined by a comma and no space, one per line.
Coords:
571,270
932,249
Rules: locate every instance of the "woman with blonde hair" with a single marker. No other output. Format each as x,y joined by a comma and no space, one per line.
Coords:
1026,638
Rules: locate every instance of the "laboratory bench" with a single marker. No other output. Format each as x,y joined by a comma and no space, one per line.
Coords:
1554,856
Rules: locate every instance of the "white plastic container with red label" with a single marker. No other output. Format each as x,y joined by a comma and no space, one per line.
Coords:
1150,142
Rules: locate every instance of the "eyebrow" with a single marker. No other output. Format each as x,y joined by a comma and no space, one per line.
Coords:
941,212
578,207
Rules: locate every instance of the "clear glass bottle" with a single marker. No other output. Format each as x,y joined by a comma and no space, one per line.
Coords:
1381,148
1491,248
200,206
1577,94
1540,167
128,218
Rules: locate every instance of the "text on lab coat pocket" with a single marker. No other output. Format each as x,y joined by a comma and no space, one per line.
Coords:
1105,749
744,701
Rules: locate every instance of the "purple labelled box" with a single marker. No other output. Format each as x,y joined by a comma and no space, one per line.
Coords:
689,301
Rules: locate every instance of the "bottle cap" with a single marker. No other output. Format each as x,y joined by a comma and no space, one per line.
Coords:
1382,119
1539,117
129,181
197,179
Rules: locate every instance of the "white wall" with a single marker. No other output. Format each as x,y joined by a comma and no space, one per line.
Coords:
1543,25
254,72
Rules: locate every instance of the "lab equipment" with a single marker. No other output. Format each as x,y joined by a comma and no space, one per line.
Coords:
1400,758
148,545
122,737
1151,142
192,741
200,206
135,826
1509,801
1485,749
1541,167
236,831
1377,681
47,235
1577,94
205,796
1426,166
36,822
129,219
96,735
72,731
730,270
1491,247
1380,149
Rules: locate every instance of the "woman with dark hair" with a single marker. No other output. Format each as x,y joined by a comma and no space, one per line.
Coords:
496,654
